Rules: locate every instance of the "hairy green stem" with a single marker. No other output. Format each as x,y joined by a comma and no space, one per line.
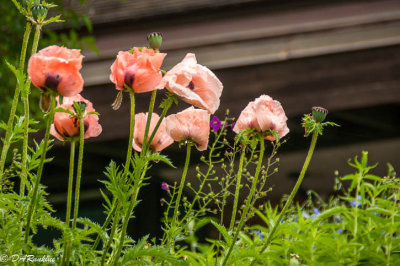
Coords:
32,203
79,171
136,188
178,198
146,142
70,182
292,194
25,101
111,237
7,138
131,131
69,195
114,207
115,204
77,184
238,180
248,202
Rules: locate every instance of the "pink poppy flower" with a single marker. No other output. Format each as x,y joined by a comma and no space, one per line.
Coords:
194,83
161,139
56,69
65,126
190,124
263,114
139,70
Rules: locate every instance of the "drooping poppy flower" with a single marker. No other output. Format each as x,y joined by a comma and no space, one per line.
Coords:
190,124
139,70
161,139
263,114
56,69
65,126
194,83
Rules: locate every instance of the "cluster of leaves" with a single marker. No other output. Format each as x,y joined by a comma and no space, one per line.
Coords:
359,225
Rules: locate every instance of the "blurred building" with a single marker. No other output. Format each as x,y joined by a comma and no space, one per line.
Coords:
342,55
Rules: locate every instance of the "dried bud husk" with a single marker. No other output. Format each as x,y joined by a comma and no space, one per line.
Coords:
45,101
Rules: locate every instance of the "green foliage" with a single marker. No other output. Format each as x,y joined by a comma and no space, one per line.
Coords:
11,38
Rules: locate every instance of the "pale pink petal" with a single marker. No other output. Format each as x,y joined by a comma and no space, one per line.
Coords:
194,83
190,124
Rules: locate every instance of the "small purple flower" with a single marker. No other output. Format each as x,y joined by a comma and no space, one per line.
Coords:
339,231
233,124
356,203
164,186
259,234
215,123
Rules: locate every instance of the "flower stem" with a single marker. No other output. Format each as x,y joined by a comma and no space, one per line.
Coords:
114,209
146,142
131,131
178,198
249,200
115,204
79,170
69,195
25,101
127,215
292,194
238,179
111,237
7,138
32,203
70,182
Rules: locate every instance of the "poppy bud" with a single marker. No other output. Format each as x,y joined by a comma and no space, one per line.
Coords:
155,40
319,114
39,12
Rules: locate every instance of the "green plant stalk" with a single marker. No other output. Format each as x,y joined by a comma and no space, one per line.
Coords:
32,203
114,208
79,170
77,183
131,131
25,101
7,138
292,194
115,204
163,114
146,143
110,239
178,198
69,194
70,182
356,206
238,180
249,200
205,179
127,216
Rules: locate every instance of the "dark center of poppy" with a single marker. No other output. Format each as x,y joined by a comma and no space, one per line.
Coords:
191,85
129,79
63,132
51,82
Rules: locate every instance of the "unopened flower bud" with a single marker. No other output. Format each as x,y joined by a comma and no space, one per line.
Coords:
155,40
39,12
319,114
